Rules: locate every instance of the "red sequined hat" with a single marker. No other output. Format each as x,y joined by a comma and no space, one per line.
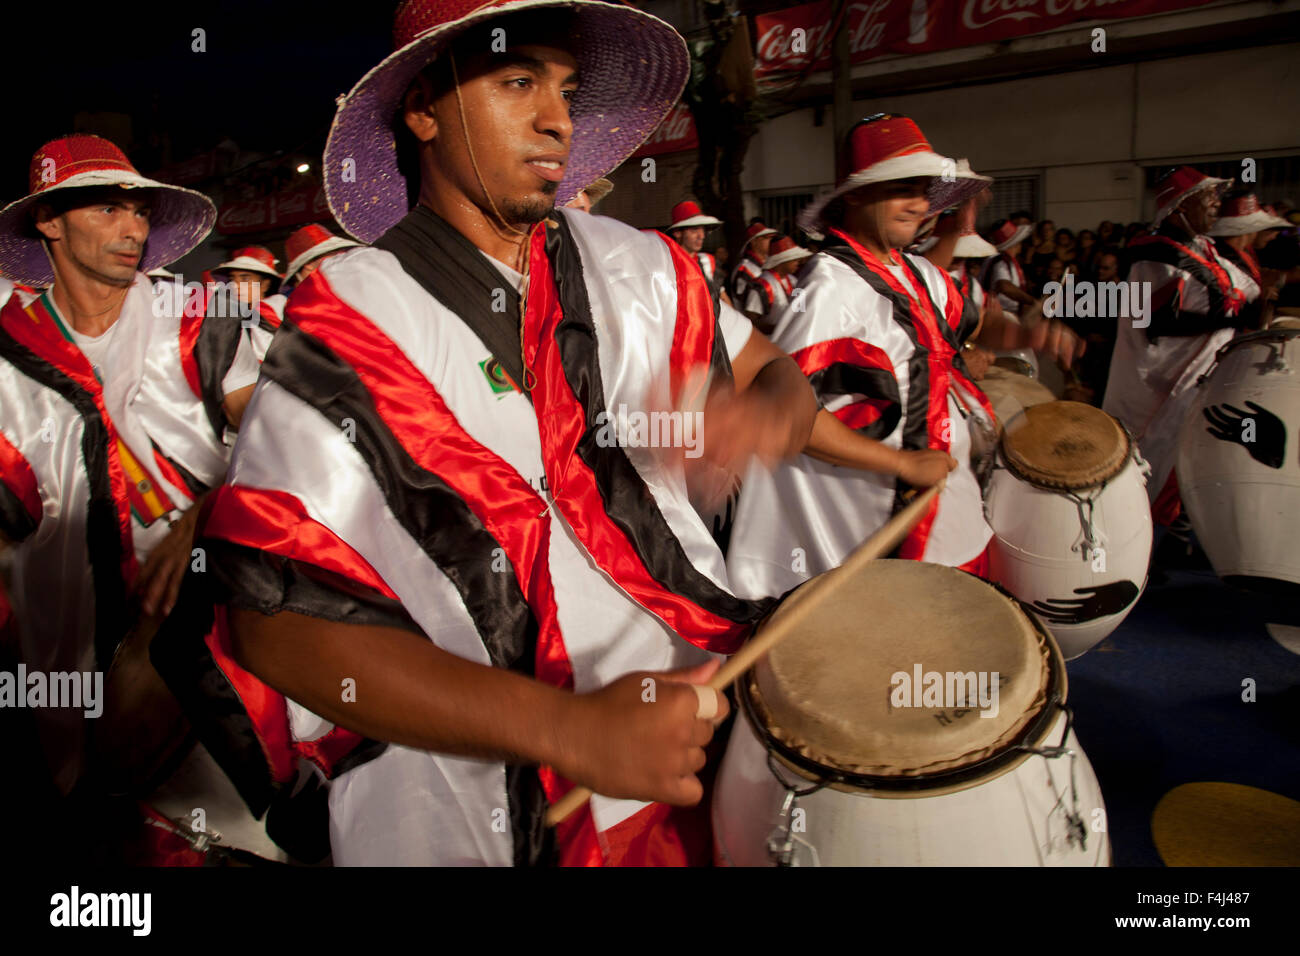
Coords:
889,146
252,259
1006,234
1242,215
1180,184
311,242
784,249
687,214
179,218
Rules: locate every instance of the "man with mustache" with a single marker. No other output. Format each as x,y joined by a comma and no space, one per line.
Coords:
421,509
879,334
114,403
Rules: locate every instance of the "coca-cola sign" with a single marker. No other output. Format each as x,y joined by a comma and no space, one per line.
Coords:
674,135
799,38
287,208
790,39
248,216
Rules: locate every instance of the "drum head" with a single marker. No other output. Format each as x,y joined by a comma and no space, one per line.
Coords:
872,688
1066,445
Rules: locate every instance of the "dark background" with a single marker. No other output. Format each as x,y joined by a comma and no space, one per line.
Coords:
267,80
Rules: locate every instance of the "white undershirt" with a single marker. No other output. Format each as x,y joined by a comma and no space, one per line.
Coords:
95,347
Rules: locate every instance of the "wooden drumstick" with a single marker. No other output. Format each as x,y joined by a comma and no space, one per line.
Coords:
790,616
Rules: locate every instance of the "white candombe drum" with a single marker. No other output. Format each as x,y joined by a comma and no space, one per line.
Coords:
1071,520
1011,392
830,763
1238,457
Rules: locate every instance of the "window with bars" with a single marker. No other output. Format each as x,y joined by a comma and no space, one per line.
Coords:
1011,194
779,212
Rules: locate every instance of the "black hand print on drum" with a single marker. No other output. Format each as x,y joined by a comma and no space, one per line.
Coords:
1100,601
1269,446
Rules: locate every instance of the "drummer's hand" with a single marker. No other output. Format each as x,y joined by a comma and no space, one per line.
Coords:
752,422
1056,341
977,362
639,738
159,580
925,467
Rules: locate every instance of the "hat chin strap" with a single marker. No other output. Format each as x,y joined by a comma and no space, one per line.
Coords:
464,128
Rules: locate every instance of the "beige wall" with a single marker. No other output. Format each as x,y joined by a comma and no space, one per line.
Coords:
1086,131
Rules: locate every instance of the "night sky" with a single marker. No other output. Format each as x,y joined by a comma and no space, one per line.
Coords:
268,79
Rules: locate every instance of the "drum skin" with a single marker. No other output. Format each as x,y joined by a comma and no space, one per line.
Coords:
1038,553
1015,819
1243,497
1010,393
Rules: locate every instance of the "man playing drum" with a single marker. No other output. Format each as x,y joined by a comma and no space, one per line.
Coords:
879,334
438,531
1198,300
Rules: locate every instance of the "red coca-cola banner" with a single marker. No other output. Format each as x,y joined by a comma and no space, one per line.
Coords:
789,39
287,208
675,134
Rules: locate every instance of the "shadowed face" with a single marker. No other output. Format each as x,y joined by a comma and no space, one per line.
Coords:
890,213
249,286
1107,268
512,146
315,264
1198,211
690,238
102,239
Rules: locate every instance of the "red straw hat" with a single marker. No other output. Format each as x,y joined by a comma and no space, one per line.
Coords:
252,259
784,249
1006,234
633,68
178,221
888,146
1242,215
756,230
686,214
1178,185
311,242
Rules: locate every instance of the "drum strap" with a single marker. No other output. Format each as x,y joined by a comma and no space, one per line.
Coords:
1208,271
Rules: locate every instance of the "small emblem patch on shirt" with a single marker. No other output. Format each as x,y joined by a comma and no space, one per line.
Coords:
496,376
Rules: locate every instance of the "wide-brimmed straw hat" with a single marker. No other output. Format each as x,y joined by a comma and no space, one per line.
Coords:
257,259
889,146
971,245
687,214
1243,216
632,67
756,230
1178,185
179,218
598,190
308,243
782,250
1006,234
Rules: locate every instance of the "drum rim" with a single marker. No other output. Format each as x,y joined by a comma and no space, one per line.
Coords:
1048,484
1273,332
1055,695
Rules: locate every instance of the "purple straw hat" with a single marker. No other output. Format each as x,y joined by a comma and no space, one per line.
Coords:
178,220
632,66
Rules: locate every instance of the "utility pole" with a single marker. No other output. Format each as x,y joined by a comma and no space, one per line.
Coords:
841,87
